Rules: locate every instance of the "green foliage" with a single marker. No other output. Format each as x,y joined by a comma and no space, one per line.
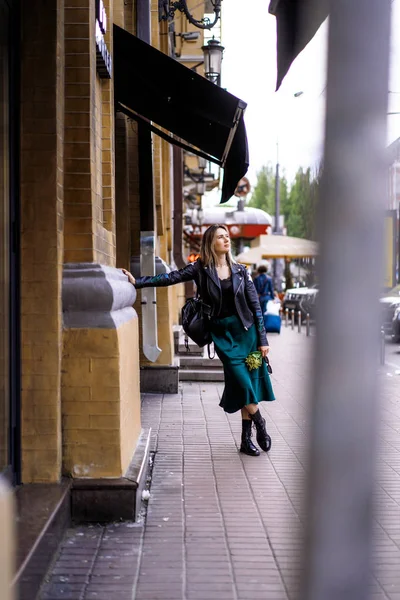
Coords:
263,195
297,205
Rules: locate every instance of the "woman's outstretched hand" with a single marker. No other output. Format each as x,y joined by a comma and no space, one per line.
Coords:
131,278
264,350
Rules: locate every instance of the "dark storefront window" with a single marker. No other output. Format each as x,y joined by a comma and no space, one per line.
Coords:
4,240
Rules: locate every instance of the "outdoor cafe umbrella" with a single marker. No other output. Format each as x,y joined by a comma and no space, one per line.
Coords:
279,246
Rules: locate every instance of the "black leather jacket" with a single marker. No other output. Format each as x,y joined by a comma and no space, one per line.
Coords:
207,282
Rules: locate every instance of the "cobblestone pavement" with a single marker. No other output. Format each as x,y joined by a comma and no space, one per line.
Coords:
221,525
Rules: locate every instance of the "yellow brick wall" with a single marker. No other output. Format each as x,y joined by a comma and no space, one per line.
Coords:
89,141
101,400
130,423
68,215
42,128
79,184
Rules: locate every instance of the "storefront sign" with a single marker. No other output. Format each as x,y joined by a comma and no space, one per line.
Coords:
103,57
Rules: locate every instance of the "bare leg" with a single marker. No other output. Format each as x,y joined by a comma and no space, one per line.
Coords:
245,414
251,409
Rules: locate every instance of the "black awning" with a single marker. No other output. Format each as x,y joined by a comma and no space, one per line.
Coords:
297,21
190,110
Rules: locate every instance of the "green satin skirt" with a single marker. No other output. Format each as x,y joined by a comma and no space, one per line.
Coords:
233,344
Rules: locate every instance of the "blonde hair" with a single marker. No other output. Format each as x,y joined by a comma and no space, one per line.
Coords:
208,256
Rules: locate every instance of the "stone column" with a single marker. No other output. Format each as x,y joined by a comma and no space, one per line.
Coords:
100,375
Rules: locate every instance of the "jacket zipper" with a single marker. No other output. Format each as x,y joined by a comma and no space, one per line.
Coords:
241,281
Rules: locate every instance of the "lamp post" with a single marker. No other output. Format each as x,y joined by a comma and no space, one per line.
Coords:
277,283
213,53
277,229
200,216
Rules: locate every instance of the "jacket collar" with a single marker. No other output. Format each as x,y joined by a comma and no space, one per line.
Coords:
236,270
213,275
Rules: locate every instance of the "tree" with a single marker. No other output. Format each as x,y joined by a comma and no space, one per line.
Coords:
263,195
300,210
297,205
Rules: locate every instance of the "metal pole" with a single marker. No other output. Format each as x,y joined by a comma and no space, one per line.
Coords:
277,215
299,321
277,193
383,346
344,410
292,315
308,325
286,317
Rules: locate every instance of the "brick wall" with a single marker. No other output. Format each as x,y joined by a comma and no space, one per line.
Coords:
42,124
89,141
79,188
101,400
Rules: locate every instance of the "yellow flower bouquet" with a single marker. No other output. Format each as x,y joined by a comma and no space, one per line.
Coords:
254,360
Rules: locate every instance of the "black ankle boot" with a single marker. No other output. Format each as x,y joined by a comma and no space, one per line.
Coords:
247,446
263,439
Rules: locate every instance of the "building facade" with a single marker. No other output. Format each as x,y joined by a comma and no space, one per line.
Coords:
86,188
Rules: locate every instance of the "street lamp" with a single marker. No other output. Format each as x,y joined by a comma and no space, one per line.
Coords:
166,12
200,188
200,216
202,163
213,52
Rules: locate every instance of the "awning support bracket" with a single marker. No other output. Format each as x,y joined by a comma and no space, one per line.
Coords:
165,136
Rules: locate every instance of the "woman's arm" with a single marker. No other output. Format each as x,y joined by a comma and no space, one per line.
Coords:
254,305
188,273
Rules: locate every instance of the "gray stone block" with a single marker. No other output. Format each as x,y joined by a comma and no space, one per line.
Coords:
160,379
106,500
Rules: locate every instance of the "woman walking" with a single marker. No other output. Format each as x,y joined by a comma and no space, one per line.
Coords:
236,326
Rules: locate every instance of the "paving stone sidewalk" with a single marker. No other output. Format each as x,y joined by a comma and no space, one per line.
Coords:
221,525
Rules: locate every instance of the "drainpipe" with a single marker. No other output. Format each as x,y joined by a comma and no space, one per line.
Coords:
147,210
178,205
180,262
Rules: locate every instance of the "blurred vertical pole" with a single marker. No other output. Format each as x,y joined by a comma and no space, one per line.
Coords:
344,413
277,230
277,193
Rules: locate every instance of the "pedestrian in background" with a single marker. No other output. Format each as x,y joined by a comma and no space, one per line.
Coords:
236,327
264,287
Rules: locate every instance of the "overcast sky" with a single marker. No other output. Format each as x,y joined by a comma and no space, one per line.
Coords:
249,72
